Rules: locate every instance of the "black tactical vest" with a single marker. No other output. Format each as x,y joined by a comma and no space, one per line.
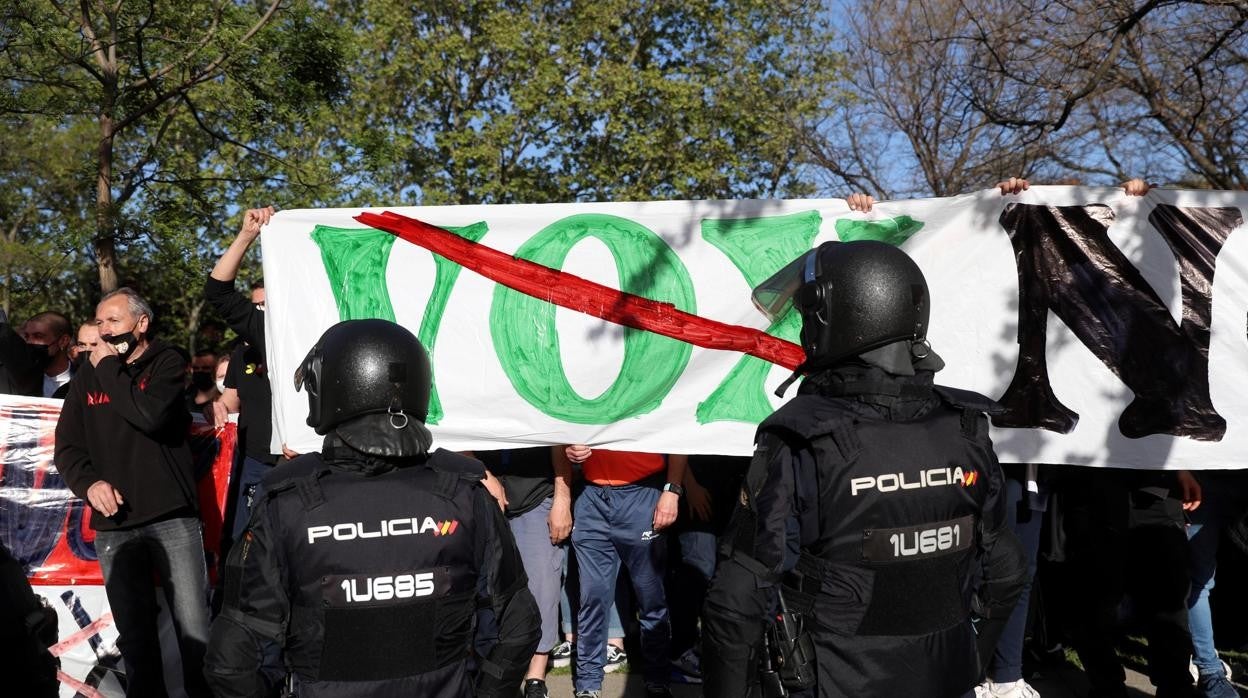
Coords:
383,569
888,576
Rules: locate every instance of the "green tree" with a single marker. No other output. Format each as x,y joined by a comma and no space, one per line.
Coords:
497,101
167,119
169,89
44,192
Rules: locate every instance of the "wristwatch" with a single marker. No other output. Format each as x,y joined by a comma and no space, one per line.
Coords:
674,488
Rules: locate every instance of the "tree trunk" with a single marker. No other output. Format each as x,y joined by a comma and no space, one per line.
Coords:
192,326
105,242
8,267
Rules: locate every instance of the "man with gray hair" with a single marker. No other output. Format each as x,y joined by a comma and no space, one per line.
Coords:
121,446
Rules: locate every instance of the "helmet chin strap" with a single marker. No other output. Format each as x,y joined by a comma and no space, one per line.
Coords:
900,358
797,373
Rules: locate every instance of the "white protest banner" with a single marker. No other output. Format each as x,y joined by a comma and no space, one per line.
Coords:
1111,328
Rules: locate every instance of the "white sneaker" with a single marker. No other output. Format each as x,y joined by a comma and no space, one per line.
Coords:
1016,689
1191,667
616,658
562,653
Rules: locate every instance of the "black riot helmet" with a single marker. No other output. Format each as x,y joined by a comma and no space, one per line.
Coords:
366,367
854,297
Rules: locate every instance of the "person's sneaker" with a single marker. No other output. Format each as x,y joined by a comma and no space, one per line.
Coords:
616,658
688,666
658,690
561,655
535,688
1226,670
1215,686
585,694
1014,689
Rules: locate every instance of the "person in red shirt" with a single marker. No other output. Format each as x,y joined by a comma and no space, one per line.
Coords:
630,498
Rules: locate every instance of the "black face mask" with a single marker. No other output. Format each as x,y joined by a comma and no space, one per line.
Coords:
81,359
124,343
40,355
202,380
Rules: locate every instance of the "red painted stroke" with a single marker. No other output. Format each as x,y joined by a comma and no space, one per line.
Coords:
575,293
82,635
83,689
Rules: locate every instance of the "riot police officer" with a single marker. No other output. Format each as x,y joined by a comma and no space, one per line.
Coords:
367,562
873,506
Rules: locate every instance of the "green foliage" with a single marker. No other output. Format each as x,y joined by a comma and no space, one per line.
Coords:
191,112
45,181
491,101
180,108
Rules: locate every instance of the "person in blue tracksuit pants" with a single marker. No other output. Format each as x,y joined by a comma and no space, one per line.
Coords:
629,499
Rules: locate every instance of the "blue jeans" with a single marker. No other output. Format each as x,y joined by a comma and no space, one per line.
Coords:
687,584
697,551
1007,660
1222,499
250,473
613,526
129,559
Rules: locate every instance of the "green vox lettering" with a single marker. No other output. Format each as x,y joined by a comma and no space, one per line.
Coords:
759,247
526,338
355,260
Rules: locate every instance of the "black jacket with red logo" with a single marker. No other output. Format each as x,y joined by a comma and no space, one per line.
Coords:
126,424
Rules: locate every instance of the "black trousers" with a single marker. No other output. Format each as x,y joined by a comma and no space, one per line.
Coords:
1126,539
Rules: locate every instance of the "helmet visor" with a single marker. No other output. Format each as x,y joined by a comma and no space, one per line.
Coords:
300,374
774,297
307,368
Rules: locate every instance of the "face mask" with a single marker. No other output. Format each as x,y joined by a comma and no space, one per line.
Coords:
123,342
202,380
40,355
220,386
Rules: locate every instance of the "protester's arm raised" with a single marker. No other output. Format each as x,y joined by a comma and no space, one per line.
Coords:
227,267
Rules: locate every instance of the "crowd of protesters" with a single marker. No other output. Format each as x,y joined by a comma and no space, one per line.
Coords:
619,548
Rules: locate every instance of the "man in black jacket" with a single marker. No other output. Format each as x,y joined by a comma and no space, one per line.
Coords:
21,364
873,504
247,389
121,446
366,562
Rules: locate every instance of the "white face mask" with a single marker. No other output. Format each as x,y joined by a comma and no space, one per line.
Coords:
221,386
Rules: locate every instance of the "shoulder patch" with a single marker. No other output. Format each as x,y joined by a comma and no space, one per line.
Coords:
808,416
458,464
968,399
285,477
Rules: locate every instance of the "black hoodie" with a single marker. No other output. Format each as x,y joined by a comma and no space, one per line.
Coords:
126,424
